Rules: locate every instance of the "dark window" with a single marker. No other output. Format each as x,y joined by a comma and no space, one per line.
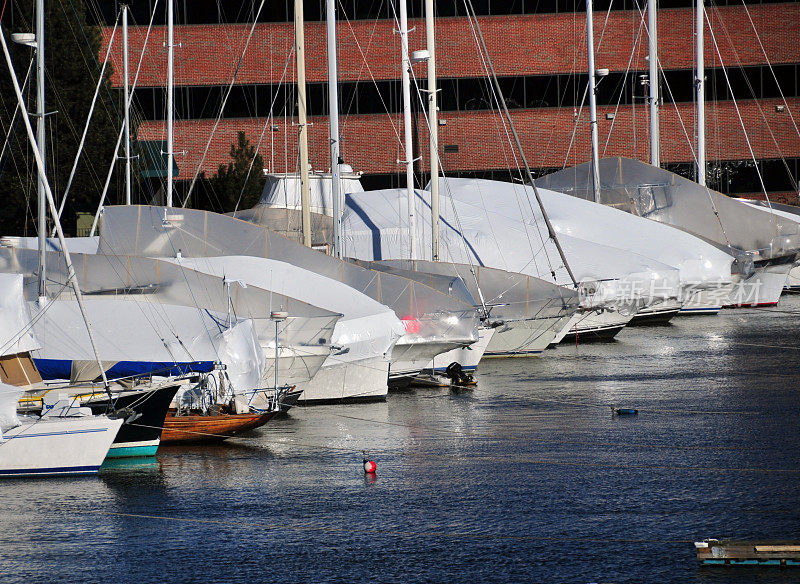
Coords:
533,91
240,11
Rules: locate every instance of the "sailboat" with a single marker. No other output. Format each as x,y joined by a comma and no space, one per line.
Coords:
51,445
357,369
59,443
434,322
784,214
764,249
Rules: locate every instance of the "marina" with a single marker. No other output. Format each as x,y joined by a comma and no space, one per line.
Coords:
369,319
524,478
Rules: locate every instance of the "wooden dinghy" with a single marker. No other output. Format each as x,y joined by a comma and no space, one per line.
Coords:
193,428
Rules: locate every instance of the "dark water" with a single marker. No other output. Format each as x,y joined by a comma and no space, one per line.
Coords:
528,478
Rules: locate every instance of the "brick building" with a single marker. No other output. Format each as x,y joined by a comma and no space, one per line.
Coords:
539,53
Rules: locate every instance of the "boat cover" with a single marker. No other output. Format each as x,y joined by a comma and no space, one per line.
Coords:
160,232
175,304
367,329
485,223
9,401
74,244
282,190
507,296
16,333
655,193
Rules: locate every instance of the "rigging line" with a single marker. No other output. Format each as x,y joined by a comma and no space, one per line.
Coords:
738,113
637,36
14,117
158,311
578,117
563,94
771,69
268,123
690,142
222,105
94,57
258,440
462,237
369,70
100,81
592,443
122,128
758,104
501,104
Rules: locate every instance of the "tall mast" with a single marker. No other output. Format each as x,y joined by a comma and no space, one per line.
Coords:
551,233
652,38
593,102
170,91
127,104
40,144
409,151
333,114
700,88
433,121
49,199
300,56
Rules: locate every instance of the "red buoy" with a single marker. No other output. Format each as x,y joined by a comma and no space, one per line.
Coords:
369,466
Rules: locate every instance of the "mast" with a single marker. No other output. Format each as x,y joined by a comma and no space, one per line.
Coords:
433,121
652,41
127,104
333,114
170,92
40,144
300,56
700,89
405,64
551,233
53,211
593,102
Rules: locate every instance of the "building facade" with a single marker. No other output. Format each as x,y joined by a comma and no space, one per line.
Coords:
752,57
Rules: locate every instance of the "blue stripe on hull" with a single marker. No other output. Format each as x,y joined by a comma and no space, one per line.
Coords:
49,471
132,451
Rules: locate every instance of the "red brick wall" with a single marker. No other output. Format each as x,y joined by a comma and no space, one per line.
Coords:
372,143
536,44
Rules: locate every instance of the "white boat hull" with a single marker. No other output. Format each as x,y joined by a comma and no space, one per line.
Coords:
658,312
523,338
408,360
762,288
468,357
708,301
362,380
57,446
601,324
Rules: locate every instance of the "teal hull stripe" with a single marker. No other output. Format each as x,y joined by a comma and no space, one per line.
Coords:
131,451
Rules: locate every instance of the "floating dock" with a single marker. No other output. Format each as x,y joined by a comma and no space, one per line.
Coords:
731,552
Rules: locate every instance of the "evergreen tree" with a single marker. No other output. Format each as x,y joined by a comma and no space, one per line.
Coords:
238,180
71,68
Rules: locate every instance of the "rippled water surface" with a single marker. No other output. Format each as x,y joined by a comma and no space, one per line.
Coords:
528,478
